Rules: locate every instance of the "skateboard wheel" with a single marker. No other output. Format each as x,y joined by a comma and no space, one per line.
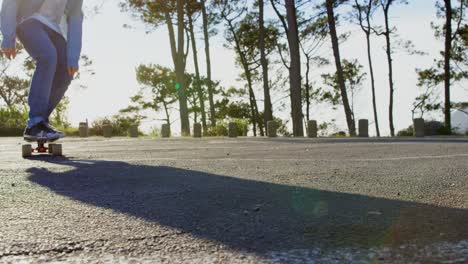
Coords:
27,151
51,147
56,149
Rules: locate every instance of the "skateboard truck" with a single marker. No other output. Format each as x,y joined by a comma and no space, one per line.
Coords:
54,149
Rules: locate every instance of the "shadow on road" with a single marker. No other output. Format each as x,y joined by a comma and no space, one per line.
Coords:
251,215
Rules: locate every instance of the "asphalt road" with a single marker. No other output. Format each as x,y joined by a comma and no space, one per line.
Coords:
236,201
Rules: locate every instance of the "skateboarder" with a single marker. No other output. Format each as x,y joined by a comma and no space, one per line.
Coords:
37,24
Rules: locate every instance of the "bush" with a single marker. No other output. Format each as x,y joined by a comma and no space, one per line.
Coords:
70,131
12,122
155,132
407,132
435,128
120,125
283,128
242,127
431,128
338,134
222,128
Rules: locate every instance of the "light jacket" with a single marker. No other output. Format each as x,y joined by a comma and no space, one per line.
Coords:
16,11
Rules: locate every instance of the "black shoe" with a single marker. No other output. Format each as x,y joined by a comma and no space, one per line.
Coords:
54,130
40,132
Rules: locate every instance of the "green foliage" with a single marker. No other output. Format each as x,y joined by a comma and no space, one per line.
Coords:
222,128
12,122
158,91
339,134
431,128
432,77
282,128
59,117
70,131
353,76
155,132
407,132
242,126
248,31
120,125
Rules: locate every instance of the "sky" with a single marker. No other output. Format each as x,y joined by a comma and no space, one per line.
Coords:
116,51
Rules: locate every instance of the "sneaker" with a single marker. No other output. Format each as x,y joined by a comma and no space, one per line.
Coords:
40,132
54,130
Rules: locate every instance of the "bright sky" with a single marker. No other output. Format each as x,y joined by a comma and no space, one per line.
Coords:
117,51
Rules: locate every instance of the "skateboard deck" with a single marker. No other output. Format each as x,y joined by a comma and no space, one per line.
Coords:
43,147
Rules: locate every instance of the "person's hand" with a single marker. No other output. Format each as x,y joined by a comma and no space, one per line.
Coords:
10,53
72,71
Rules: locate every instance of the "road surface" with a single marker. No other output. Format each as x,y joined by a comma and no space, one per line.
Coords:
236,201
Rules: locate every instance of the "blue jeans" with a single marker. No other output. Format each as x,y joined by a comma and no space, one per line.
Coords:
51,79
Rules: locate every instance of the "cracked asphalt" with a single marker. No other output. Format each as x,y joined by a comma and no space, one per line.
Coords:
245,200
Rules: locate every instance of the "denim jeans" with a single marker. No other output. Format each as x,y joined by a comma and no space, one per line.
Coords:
51,79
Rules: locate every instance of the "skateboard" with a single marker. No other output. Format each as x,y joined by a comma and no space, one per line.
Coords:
44,146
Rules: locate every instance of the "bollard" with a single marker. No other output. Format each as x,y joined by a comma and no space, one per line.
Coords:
83,130
312,129
232,130
107,130
272,129
197,130
363,128
133,131
165,131
418,127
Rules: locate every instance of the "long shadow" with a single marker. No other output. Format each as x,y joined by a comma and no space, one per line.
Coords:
251,215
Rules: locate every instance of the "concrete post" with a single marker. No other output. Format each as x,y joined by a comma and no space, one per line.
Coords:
165,131
363,128
272,129
312,129
107,130
83,130
197,130
133,131
418,127
232,130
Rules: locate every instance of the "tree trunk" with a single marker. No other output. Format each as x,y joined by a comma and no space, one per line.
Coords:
248,76
307,86
295,69
371,70
339,69
197,74
166,110
180,70
208,64
447,57
367,31
390,68
268,114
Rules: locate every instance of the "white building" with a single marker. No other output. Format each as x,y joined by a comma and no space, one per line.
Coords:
460,119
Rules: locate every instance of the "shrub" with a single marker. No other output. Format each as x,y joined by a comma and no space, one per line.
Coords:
407,132
120,125
283,128
431,128
435,128
70,131
242,127
338,134
220,130
12,122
